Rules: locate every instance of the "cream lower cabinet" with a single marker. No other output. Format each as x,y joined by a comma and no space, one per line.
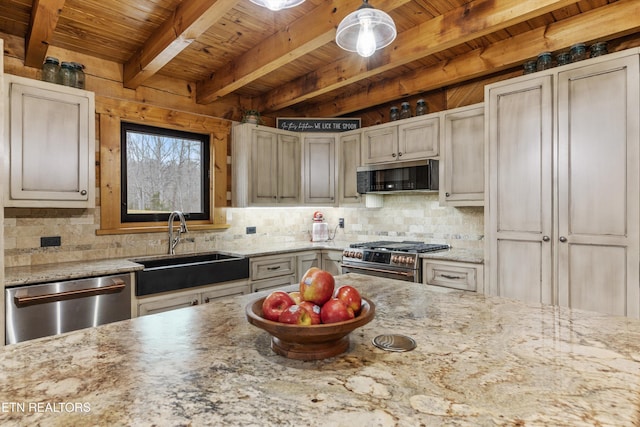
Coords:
453,274
462,156
331,261
191,297
272,271
306,260
563,214
50,145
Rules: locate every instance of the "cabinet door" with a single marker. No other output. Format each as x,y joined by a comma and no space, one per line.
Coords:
264,166
51,145
598,203
320,169
306,260
519,223
170,302
332,262
350,152
419,138
288,170
462,157
380,145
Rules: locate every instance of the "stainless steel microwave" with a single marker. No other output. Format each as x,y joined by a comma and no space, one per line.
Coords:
421,175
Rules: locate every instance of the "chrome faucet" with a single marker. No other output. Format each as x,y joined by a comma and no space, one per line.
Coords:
173,241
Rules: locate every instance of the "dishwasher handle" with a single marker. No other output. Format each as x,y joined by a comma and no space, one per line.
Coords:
117,286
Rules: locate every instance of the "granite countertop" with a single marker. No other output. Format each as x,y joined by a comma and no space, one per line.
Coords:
24,275
479,361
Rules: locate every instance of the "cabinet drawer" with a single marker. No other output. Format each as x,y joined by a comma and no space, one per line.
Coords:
266,267
464,276
277,283
168,303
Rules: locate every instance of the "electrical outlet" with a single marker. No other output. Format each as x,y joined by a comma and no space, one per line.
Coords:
341,222
251,230
50,241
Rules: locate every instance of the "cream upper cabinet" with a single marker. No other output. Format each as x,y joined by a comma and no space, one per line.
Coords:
409,139
418,138
266,166
380,144
349,150
563,186
50,145
462,156
319,177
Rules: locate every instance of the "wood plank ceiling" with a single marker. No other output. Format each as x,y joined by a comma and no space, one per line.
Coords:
286,63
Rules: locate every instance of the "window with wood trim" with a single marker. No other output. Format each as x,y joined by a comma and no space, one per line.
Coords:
111,113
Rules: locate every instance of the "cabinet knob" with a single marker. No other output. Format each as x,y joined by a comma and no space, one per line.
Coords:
393,155
400,154
447,194
194,302
545,238
206,300
563,239
83,192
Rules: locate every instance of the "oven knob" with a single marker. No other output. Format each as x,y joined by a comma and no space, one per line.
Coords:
359,255
345,253
394,258
407,260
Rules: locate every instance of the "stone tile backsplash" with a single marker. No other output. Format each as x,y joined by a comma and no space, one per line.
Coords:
403,217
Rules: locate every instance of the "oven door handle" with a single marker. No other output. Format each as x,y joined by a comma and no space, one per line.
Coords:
379,270
117,286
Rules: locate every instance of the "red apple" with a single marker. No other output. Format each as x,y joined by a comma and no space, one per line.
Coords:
275,303
314,311
295,296
295,315
335,310
350,296
317,286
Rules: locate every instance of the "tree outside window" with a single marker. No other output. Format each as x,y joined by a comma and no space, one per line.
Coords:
163,170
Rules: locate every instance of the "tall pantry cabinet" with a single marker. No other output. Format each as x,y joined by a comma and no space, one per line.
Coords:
563,210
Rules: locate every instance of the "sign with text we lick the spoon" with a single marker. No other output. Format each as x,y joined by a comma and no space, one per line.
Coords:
305,124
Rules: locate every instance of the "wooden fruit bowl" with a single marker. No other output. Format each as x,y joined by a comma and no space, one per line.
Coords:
312,342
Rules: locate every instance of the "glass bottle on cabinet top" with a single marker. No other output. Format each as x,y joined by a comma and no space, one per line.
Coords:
394,114
50,69
405,110
421,108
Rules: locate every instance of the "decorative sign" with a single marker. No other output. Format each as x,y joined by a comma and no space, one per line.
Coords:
317,125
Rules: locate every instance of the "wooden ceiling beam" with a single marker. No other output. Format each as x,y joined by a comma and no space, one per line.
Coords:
587,27
44,19
306,34
189,20
465,23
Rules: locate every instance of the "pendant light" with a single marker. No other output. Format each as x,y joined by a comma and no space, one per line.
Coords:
365,30
276,5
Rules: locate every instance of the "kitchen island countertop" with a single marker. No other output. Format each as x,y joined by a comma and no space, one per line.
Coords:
479,361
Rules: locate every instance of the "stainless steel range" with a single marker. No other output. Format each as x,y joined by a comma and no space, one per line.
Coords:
394,260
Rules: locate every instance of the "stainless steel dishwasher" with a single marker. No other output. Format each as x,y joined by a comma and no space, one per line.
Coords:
45,309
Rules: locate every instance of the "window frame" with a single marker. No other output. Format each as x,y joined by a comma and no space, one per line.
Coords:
109,113
205,177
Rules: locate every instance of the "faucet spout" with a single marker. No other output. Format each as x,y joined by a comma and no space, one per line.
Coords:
174,240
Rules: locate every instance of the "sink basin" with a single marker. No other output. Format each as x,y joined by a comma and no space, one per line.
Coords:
183,272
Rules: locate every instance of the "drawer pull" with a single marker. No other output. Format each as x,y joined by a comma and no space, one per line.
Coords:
448,276
277,267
